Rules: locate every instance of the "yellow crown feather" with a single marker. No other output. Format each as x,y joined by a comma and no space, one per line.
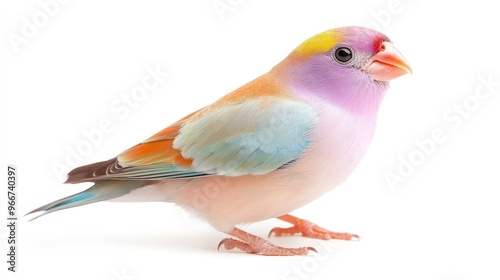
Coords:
319,43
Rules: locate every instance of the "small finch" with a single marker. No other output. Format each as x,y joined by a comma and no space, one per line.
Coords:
269,147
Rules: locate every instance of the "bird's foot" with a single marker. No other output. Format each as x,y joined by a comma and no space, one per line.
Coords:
256,245
309,229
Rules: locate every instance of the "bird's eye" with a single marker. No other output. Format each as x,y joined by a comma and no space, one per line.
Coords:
343,55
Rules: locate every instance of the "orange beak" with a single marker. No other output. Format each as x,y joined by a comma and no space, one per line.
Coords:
387,64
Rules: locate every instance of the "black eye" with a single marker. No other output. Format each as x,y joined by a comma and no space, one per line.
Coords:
343,54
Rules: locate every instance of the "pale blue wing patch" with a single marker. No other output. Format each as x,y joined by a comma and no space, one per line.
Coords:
253,137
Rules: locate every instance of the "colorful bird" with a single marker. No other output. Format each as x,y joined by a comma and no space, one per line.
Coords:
265,149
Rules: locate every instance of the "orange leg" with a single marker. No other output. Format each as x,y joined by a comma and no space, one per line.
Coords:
256,245
308,229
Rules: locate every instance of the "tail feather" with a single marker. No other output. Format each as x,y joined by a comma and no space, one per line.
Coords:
100,191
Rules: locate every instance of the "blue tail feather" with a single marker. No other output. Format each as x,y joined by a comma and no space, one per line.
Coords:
100,191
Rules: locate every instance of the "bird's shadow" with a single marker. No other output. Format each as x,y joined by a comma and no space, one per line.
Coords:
192,241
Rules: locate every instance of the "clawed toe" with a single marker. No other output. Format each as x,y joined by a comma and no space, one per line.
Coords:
277,231
256,245
230,243
309,229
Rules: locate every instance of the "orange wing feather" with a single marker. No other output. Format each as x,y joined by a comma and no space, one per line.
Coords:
157,148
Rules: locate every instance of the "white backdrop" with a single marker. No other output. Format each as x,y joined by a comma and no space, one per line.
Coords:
72,73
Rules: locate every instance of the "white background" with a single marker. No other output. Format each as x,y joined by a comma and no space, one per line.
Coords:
442,222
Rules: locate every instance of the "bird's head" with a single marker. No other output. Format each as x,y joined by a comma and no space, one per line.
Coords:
347,65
